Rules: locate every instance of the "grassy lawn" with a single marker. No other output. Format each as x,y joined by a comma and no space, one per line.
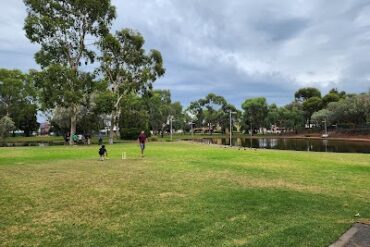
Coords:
180,194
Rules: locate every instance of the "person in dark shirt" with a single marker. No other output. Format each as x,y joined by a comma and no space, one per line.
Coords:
142,140
103,152
100,140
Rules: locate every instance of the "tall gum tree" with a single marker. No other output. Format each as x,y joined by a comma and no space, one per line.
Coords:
61,28
128,68
213,110
255,113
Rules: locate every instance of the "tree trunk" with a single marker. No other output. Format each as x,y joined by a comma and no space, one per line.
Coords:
73,125
111,131
113,121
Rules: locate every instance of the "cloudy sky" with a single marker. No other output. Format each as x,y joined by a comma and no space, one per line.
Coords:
236,48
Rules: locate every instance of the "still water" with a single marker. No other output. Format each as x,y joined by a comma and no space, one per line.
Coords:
321,145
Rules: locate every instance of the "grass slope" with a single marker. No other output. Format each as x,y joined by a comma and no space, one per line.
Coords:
180,194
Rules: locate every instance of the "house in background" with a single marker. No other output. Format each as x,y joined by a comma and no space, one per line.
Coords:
44,128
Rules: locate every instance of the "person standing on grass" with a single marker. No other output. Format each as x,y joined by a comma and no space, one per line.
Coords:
103,152
142,140
75,138
100,140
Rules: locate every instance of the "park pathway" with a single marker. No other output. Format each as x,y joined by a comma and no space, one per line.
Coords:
357,236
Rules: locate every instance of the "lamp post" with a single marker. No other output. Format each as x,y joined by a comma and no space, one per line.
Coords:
326,129
191,129
230,130
171,119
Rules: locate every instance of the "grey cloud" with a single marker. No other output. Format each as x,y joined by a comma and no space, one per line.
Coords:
280,30
239,49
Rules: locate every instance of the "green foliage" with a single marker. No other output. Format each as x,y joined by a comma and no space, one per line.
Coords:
273,115
353,110
311,99
323,115
128,69
212,111
104,102
159,106
18,100
26,119
255,113
292,118
304,94
126,65
61,28
134,117
6,125
63,87
332,96
88,121
132,133
312,105
179,117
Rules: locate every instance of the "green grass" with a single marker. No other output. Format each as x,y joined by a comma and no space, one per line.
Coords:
180,194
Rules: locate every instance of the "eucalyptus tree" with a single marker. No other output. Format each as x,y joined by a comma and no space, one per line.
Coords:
333,96
304,94
311,101
310,106
128,68
212,110
176,110
134,116
159,107
62,29
255,113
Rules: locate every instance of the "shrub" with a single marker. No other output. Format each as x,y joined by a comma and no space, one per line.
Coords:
6,125
132,133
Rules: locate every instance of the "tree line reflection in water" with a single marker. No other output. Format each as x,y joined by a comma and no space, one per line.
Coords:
315,145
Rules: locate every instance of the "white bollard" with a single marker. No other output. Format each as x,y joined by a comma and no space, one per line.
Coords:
124,155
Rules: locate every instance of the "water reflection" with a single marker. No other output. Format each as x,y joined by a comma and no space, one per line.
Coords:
31,144
316,145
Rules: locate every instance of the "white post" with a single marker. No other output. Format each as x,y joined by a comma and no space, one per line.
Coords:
191,129
171,126
230,112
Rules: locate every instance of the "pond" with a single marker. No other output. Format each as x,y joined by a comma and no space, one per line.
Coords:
315,145
31,144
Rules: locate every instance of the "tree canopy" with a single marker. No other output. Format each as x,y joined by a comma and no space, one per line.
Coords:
62,29
128,68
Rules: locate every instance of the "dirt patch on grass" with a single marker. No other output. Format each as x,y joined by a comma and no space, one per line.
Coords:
240,241
242,217
171,194
247,181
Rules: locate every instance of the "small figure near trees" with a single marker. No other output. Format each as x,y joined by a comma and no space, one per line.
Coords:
66,138
103,152
142,140
75,138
